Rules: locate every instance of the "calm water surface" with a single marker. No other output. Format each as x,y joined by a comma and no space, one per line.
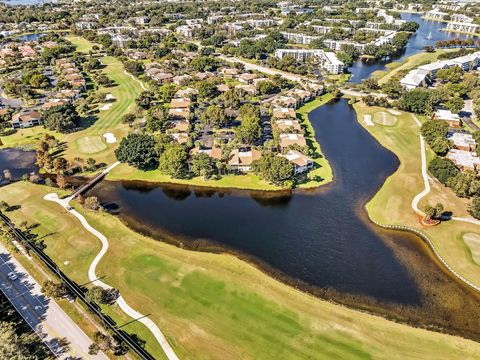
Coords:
320,241
18,162
361,70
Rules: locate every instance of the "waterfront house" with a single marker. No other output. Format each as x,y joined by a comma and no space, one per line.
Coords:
241,160
26,118
289,139
283,113
287,125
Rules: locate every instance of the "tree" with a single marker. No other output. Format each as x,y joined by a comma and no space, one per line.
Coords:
128,119
214,115
207,90
145,99
464,184
15,345
166,92
203,165
61,118
442,169
267,88
440,146
205,63
52,289
173,162
434,129
135,68
60,165
100,342
92,203
61,181
416,100
452,74
156,119
434,212
393,88
474,207
455,105
273,168
102,296
138,150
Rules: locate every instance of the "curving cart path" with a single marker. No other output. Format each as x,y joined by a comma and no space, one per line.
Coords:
426,183
169,352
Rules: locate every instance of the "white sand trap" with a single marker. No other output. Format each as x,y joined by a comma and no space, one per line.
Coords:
367,119
105,107
394,112
110,97
110,138
473,242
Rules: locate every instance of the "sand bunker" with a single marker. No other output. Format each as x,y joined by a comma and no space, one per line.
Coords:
110,138
106,107
110,97
394,112
367,119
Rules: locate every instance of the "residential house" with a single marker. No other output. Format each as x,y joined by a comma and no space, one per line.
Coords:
26,118
288,139
241,160
446,115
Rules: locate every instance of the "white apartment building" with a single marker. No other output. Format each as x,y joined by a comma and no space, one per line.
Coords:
435,15
463,27
327,60
299,38
326,29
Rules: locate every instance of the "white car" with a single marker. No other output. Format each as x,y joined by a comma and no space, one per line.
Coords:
12,276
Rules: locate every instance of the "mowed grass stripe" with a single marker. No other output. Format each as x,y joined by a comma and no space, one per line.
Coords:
126,91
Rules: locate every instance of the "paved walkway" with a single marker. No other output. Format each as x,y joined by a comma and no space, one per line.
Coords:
426,184
43,315
169,352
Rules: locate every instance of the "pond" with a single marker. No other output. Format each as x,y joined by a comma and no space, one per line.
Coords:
17,162
361,70
320,241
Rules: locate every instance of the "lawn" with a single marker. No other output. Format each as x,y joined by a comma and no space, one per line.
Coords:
213,306
408,64
321,175
89,142
392,203
82,44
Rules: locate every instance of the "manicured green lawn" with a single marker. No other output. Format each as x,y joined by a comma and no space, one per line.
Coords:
82,44
407,65
214,306
392,203
89,142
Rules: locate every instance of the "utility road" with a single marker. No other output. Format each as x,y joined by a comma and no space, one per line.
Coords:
56,329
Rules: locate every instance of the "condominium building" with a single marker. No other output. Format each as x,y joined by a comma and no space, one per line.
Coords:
435,15
299,38
327,60
463,27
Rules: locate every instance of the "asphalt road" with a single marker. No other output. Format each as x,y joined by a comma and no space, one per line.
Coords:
57,330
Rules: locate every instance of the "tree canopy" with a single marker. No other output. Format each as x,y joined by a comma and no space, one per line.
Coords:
138,150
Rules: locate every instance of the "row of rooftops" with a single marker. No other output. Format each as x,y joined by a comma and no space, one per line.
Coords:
420,75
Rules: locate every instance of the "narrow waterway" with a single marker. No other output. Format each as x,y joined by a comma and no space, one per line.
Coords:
17,163
319,241
363,69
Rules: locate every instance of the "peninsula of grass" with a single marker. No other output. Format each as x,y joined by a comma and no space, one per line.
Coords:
320,175
392,203
215,306
396,69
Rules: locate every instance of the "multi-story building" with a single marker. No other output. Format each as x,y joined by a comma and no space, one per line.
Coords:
298,38
327,60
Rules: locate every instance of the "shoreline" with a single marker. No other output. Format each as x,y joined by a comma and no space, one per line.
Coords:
323,167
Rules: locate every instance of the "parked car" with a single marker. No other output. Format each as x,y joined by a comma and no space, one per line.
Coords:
12,276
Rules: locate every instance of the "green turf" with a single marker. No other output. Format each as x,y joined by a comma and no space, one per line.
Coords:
216,306
90,144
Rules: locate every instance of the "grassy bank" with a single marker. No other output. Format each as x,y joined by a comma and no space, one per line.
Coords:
392,203
216,306
396,69
322,174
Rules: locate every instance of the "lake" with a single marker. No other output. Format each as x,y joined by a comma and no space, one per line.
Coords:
320,241
361,69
